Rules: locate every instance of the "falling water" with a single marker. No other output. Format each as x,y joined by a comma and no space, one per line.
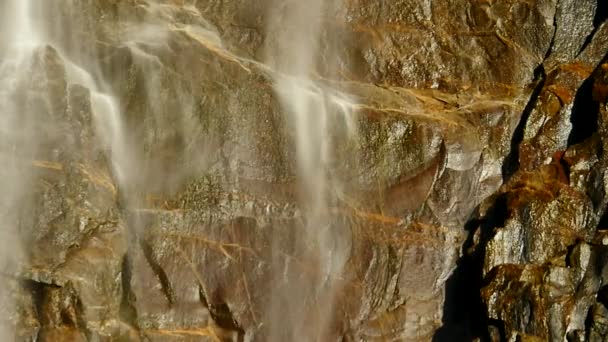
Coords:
33,31
15,129
313,110
32,116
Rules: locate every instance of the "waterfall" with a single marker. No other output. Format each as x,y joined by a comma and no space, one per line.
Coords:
313,110
44,54
20,102
35,63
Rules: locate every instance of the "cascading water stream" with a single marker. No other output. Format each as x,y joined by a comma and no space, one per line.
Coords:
18,43
313,112
30,120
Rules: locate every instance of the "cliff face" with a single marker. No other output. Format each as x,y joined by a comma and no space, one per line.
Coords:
155,191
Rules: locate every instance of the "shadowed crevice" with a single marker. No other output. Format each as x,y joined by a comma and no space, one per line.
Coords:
158,270
56,307
601,14
37,291
585,110
465,316
511,163
128,313
603,224
221,315
584,115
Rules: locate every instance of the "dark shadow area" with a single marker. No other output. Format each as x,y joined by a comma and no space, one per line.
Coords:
464,313
511,163
601,14
223,317
603,225
158,270
127,312
37,291
602,296
585,109
584,116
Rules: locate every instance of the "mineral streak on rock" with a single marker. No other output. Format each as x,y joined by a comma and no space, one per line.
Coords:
153,187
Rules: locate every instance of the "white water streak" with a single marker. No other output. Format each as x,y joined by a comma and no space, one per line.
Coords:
312,110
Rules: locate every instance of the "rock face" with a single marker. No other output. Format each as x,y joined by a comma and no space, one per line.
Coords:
472,203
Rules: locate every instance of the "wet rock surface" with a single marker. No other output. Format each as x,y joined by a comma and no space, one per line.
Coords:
474,196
